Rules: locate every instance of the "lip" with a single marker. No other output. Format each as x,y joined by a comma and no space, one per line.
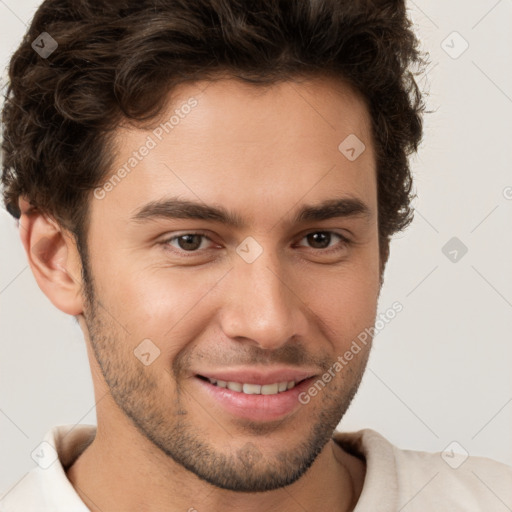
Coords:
253,376
259,408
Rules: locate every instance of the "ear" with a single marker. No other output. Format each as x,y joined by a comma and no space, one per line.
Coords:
53,257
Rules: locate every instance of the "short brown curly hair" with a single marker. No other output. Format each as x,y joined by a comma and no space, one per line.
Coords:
118,60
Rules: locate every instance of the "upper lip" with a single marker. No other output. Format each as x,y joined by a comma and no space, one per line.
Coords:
250,375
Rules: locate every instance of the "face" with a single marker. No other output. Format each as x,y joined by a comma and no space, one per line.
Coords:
230,265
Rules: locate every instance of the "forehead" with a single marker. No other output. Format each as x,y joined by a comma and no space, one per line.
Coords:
233,143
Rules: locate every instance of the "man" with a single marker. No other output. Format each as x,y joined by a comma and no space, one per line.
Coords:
210,188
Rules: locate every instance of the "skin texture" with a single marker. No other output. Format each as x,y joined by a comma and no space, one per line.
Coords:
162,443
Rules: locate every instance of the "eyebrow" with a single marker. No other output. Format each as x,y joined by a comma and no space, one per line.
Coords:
175,208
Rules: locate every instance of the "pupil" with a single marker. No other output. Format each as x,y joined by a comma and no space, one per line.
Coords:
313,239
191,242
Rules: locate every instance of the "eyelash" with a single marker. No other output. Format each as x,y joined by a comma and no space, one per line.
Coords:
344,242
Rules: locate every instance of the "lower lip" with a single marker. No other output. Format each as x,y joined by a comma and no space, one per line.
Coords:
256,407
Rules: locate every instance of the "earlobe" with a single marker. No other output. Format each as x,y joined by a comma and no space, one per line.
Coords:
53,258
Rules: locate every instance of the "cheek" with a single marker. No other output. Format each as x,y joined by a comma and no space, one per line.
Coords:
344,298
167,294
168,306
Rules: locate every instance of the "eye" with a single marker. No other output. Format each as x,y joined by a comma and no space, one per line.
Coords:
187,242
322,240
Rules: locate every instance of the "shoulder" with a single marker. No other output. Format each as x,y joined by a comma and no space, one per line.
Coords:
458,476
419,480
45,487
458,479
24,494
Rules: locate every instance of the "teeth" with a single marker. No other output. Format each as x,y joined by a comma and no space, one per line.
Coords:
235,386
255,389
269,389
251,389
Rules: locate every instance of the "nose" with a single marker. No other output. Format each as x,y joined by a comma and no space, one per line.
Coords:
264,303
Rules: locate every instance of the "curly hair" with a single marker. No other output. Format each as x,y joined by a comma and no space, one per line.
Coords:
118,60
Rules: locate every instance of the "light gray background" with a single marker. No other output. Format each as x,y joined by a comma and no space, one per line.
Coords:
441,370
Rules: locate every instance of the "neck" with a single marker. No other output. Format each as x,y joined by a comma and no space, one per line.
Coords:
122,470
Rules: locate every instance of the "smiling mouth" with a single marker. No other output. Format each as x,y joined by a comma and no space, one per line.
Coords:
253,389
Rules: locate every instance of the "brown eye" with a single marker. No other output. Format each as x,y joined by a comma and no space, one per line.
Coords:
322,240
319,240
188,242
